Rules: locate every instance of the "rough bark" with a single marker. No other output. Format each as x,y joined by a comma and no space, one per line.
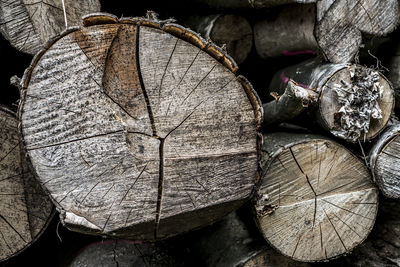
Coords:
29,24
292,32
394,74
385,161
340,25
355,102
250,4
125,253
316,200
160,136
231,31
230,243
25,210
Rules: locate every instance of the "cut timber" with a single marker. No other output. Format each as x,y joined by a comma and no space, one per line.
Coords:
394,74
25,210
341,22
354,103
29,24
250,4
290,33
232,31
230,243
316,200
385,161
125,253
138,133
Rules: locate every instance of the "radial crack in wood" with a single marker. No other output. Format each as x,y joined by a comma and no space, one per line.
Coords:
141,133
25,209
29,24
316,200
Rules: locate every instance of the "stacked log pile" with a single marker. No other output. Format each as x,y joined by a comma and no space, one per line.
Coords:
152,130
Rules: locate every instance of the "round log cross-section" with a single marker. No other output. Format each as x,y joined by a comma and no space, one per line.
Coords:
25,210
316,200
139,130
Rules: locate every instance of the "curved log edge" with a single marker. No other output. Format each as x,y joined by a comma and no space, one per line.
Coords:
24,218
98,20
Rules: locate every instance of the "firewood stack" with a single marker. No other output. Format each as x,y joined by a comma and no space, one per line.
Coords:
229,133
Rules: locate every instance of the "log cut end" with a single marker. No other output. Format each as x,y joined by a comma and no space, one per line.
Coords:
160,136
25,210
356,103
316,200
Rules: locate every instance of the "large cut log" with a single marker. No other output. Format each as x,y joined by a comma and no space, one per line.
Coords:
385,161
232,31
316,200
125,253
340,25
139,130
353,103
29,24
290,33
232,243
25,210
394,73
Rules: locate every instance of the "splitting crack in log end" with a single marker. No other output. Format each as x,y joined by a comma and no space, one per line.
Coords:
160,187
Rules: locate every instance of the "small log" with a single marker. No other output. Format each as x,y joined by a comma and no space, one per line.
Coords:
250,4
29,24
230,243
231,31
394,74
354,102
25,210
124,253
122,122
290,33
341,22
316,200
385,161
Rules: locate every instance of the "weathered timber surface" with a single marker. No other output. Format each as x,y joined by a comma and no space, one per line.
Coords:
138,133
316,200
291,32
394,74
230,243
355,102
25,210
385,161
382,247
232,31
340,24
250,4
125,253
29,24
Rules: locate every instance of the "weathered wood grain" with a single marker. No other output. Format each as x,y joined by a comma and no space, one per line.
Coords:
384,161
250,4
231,31
354,103
316,200
29,24
138,133
340,25
394,73
25,209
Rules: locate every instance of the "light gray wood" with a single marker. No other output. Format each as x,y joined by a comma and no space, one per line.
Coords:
340,24
230,243
138,133
385,161
250,4
230,31
29,24
394,73
316,200
25,210
124,253
354,103
291,32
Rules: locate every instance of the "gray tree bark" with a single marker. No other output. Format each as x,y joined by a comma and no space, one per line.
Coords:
231,31
25,209
354,102
316,200
160,136
30,24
